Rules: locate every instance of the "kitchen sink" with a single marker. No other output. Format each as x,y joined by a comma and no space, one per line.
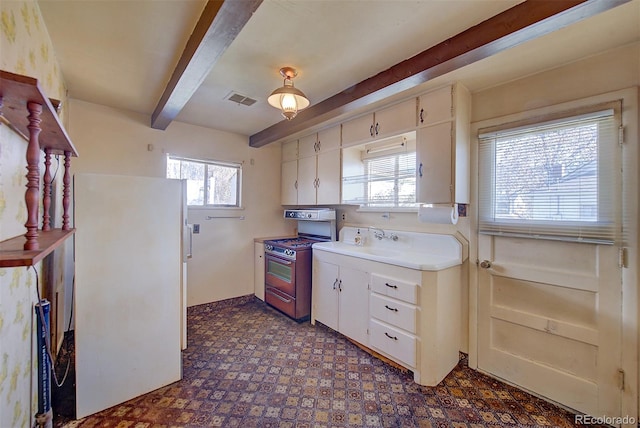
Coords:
421,251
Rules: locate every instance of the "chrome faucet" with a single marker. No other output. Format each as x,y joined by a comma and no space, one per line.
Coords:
380,234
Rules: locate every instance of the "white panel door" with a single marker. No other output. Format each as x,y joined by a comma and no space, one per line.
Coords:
328,190
289,185
307,180
325,293
549,319
353,319
128,288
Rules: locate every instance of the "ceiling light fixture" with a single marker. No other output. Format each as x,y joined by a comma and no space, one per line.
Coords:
288,98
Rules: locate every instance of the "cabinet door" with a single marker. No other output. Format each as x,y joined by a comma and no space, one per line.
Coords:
354,304
357,130
307,181
328,174
325,293
329,139
435,106
434,165
289,184
307,146
290,151
395,119
258,270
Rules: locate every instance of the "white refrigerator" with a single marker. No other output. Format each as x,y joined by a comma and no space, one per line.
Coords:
131,245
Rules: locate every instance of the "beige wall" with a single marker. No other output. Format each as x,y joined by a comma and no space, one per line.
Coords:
113,141
611,71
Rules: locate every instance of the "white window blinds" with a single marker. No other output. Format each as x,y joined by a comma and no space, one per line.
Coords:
554,177
381,175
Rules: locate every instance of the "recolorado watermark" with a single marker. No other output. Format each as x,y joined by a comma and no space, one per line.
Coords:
604,420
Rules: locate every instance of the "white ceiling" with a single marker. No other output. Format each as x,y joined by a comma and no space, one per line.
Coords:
121,53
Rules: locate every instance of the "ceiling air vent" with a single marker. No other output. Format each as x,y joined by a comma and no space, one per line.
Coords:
240,99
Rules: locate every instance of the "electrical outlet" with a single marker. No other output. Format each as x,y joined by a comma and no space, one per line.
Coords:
344,216
196,228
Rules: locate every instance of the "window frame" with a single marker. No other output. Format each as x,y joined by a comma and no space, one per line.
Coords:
606,229
364,156
217,163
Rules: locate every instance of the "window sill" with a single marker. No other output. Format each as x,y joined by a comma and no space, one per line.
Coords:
210,208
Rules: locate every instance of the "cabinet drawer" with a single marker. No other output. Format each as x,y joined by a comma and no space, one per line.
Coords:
392,287
393,312
393,342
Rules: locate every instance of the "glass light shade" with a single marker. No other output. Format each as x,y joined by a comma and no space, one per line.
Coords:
288,99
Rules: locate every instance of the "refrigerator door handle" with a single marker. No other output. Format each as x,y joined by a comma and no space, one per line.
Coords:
187,248
190,253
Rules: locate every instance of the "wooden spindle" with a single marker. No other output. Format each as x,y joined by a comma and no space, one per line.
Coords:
32,193
46,197
66,190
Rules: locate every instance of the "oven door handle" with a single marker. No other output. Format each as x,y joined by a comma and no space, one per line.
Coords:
279,297
279,260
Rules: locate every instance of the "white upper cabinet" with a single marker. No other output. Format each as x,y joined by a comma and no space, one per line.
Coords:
434,167
357,130
290,151
289,173
317,171
307,145
442,148
395,119
329,139
435,106
383,123
289,184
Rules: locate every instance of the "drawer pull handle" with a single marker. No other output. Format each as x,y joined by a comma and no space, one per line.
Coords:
391,309
389,336
278,297
390,285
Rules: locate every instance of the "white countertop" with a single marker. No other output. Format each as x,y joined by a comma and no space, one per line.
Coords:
413,250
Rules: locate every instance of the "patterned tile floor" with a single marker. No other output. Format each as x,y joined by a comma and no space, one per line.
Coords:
247,365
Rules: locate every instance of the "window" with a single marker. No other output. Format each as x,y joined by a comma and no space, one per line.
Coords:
381,174
554,177
209,183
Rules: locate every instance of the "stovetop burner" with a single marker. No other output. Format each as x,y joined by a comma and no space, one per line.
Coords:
294,243
288,247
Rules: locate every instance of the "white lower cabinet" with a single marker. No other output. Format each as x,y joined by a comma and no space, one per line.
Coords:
258,269
340,298
410,316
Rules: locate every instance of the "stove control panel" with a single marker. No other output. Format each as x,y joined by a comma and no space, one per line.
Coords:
318,214
277,250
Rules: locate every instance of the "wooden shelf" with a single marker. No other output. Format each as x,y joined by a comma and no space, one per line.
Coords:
12,253
16,92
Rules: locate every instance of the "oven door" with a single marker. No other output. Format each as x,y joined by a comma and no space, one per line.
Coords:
280,273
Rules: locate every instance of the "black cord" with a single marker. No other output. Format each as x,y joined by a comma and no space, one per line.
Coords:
47,340
57,169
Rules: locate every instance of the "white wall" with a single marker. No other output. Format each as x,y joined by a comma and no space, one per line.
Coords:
113,141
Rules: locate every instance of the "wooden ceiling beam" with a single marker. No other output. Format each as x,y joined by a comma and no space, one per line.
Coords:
219,24
526,21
